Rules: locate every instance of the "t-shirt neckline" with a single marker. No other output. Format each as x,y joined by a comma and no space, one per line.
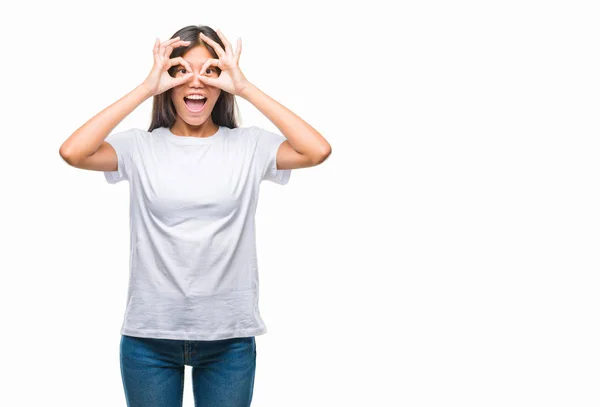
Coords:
192,140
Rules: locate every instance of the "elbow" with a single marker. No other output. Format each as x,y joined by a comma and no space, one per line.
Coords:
67,155
322,155
326,151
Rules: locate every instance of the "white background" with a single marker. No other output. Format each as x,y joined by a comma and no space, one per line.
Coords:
445,254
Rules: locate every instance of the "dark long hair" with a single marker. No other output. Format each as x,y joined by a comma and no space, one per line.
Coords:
225,112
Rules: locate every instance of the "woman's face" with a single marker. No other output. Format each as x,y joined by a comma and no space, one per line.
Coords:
195,112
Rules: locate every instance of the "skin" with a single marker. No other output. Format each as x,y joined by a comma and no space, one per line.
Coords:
189,123
304,146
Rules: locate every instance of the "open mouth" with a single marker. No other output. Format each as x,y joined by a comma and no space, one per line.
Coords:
194,105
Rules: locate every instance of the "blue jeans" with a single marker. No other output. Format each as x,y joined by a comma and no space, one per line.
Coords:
153,371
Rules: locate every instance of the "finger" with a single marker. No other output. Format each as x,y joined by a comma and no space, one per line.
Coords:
166,44
187,65
180,61
176,44
213,44
170,41
183,79
206,65
180,43
224,40
208,81
155,49
167,52
209,62
238,51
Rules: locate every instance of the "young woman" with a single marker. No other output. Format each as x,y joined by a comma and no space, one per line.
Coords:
194,180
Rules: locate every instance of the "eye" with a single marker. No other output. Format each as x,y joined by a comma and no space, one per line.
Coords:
208,71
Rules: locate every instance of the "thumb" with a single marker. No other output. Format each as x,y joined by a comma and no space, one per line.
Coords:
207,80
183,79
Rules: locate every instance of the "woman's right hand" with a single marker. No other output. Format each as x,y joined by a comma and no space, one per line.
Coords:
159,80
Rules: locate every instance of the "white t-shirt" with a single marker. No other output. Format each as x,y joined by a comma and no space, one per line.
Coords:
193,264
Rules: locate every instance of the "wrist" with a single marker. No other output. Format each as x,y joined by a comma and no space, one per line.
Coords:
247,90
144,90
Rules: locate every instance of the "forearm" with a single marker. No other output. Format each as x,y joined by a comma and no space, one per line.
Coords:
301,135
88,138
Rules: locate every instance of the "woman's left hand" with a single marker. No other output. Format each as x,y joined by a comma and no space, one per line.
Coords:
231,79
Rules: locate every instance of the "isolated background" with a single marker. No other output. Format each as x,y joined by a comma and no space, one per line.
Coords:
446,253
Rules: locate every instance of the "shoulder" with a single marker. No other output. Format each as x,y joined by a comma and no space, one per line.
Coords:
255,135
130,139
142,136
243,136
132,134
242,132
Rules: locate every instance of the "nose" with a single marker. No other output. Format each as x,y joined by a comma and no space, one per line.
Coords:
195,81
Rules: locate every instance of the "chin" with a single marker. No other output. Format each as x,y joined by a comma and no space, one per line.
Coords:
193,121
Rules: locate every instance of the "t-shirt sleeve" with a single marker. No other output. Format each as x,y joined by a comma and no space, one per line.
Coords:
124,144
267,144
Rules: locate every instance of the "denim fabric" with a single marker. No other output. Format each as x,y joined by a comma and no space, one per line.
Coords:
153,371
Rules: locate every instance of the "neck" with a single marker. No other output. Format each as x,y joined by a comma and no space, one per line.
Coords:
206,129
